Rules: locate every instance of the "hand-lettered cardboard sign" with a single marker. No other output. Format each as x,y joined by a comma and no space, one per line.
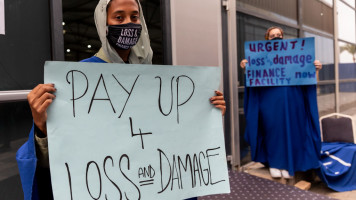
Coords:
120,131
280,62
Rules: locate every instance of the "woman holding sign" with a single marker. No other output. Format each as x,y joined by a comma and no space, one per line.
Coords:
282,124
124,37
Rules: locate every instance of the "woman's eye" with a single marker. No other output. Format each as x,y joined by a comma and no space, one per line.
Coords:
134,17
119,17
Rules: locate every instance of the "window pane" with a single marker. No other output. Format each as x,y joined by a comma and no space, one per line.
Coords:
15,125
346,20
324,48
347,53
26,44
152,12
317,15
326,99
324,51
347,76
284,8
348,98
350,2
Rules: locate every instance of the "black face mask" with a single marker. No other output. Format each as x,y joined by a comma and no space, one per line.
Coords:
124,36
277,38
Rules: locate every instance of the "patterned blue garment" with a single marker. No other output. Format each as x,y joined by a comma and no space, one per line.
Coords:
27,162
338,166
282,126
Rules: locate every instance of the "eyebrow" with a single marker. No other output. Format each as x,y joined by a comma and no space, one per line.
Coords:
122,11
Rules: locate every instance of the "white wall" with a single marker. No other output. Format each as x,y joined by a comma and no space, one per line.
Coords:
196,32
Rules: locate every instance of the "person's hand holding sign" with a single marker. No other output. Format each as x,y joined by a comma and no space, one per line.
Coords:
318,65
39,99
243,63
218,101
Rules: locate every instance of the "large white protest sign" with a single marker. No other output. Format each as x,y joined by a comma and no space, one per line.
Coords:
2,17
119,131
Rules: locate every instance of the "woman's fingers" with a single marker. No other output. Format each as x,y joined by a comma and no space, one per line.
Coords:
318,65
39,100
38,91
45,105
45,97
222,108
243,63
44,88
218,93
217,98
218,101
39,95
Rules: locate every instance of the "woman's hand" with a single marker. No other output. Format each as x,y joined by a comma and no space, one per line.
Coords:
318,65
243,63
218,101
39,99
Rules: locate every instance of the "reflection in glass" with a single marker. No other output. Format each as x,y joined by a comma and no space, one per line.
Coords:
346,20
347,65
15,125
324,51
347,73
326,99
324,48
347,53
347,76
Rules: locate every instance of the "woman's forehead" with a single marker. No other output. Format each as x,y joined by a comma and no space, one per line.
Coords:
275,30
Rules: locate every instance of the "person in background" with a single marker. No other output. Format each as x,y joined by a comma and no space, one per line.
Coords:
112,17
282,124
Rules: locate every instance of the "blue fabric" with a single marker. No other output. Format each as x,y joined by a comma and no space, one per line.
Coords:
27,161
282,126
338,166
93,59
